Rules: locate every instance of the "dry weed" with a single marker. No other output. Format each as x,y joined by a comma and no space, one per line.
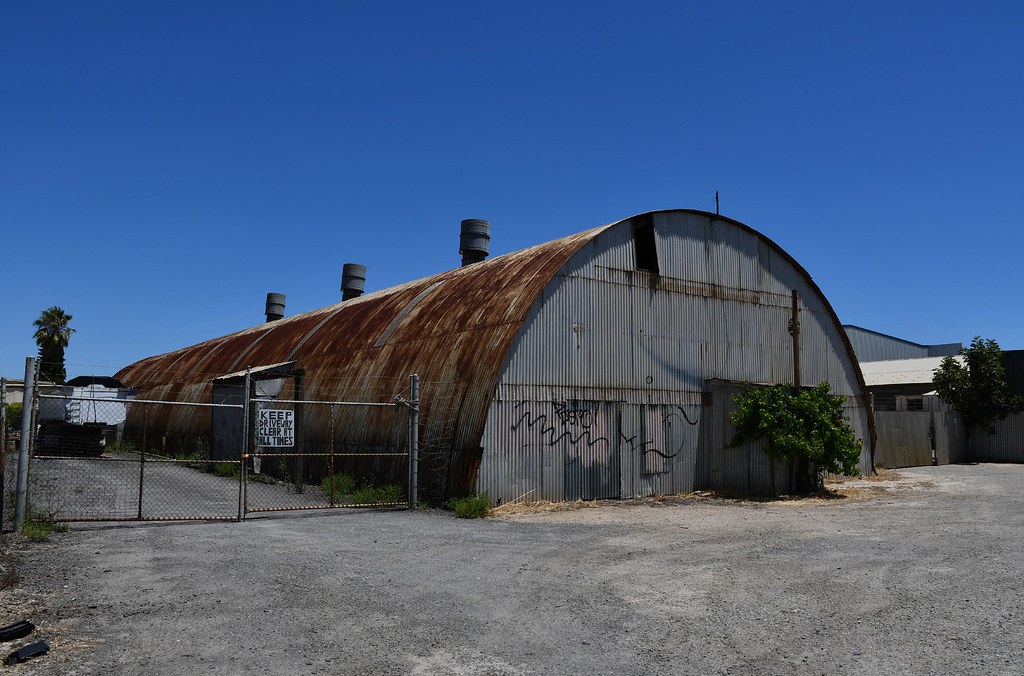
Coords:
541,507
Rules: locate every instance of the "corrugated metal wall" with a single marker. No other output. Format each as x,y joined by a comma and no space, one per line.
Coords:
745,468
1006,445
639,348
950,438
904,438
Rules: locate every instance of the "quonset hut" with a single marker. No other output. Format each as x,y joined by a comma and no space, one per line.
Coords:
599,365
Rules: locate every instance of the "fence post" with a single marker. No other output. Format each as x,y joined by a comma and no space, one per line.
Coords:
142,456
330,462
299,449
243,455
3,448
414,439
24,444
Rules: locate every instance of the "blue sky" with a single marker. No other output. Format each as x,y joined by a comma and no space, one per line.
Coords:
164,165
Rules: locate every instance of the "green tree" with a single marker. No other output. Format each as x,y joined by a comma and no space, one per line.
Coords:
53,333
977,388
806,426
12,416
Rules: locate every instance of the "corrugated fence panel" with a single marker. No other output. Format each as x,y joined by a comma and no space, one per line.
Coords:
1006,445
950,439
903,438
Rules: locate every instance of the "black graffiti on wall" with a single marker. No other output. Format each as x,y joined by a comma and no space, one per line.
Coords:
646,448
570,413
642,446
577,418
684,416
568,417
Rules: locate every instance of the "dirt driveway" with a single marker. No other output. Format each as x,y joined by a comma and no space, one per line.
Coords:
914,577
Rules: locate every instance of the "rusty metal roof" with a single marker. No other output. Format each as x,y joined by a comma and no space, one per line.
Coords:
454,327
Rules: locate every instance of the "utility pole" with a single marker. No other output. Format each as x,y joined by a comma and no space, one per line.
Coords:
794,330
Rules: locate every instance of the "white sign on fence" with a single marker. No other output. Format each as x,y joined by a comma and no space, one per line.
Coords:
275,427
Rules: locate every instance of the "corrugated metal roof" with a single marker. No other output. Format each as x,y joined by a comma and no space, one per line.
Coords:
453,328
901,371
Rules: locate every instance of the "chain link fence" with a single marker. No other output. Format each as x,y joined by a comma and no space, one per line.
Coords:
114,460
340,464
104,458
10,435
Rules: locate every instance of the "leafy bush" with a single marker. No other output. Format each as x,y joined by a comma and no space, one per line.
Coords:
370,495
807,426
343,484
471,506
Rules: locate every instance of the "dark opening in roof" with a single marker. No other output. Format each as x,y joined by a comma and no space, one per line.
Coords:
645,244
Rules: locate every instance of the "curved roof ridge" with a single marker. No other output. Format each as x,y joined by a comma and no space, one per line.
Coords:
299,329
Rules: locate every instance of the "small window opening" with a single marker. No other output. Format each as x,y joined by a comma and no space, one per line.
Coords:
644,243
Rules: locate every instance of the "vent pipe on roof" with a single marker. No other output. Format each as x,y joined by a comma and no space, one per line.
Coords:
275,306
353,281
474,240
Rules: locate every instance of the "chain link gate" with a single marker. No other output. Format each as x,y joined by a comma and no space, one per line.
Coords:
305,454
112,460
108,459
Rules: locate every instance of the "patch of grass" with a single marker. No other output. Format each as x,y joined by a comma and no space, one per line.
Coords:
38,527
371,495
471,506
228,470
343,484
120,447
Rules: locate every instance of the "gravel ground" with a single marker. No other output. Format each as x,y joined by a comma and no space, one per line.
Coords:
917,575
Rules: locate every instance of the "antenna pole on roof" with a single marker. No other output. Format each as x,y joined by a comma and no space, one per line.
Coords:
717,212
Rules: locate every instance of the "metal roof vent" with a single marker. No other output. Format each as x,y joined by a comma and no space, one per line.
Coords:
474,240
275,306
353,281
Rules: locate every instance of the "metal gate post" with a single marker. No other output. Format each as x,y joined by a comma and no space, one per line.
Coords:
243,455
3,445
24,444
414,439
142,456
330,462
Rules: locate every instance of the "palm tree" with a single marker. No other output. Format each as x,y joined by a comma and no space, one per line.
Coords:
53,333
